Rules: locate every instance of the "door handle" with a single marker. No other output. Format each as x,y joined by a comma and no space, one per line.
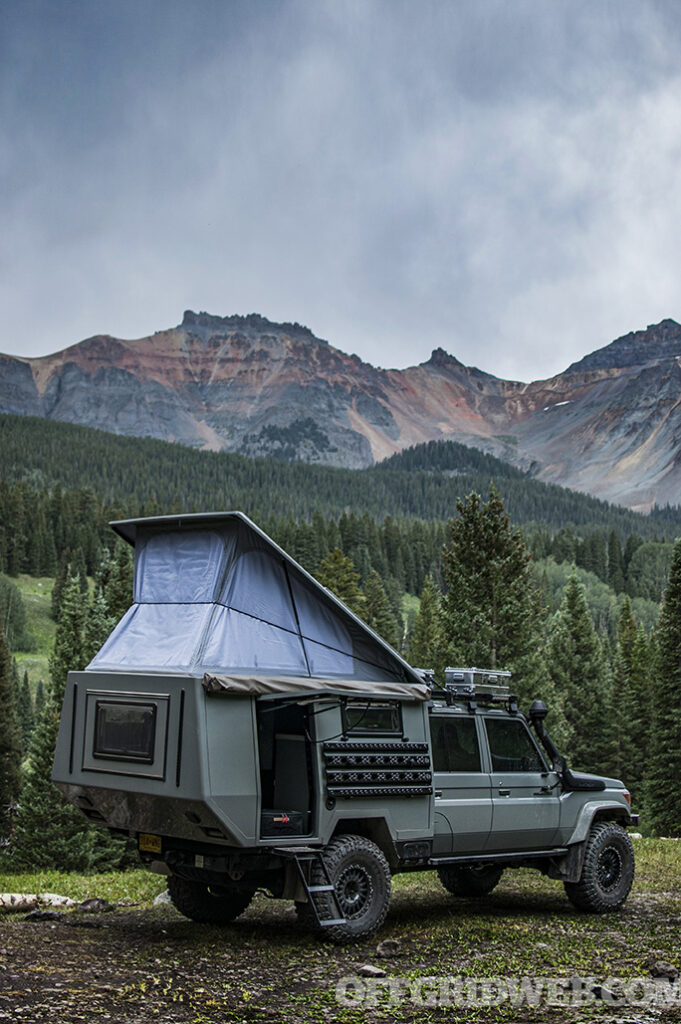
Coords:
504,792
438,792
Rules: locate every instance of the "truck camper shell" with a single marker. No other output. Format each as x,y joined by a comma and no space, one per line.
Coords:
196,719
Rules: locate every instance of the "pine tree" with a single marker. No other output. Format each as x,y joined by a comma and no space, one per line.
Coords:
338,573
118,588
10,741
377,611
490,614
615,563
39,702
633,691
425,640
78,568
25,713
49,831
67,653
97,628
578,668
663,799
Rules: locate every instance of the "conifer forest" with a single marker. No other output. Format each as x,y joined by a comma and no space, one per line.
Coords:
452,556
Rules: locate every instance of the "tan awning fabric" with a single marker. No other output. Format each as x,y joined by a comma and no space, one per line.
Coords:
244,686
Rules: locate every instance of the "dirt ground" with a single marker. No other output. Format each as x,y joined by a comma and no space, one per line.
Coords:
146,963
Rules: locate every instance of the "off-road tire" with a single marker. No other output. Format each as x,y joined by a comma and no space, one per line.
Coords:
473,881
208,905
361,876
608,870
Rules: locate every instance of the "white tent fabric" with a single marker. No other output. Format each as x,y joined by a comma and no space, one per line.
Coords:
257,585
179,568
226,599
247,643
155,636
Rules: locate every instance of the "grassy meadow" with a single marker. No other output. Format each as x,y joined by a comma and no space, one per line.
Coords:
141,962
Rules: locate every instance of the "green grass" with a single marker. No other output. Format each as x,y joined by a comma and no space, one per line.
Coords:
139,887
143,962
36,594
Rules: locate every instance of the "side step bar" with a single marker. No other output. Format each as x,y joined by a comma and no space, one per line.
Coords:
498,858
308,856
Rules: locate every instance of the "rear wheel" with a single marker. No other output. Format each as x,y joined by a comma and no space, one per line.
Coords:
471,880
208,904
608,870
361,878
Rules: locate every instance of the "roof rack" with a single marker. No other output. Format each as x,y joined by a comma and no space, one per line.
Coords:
474,686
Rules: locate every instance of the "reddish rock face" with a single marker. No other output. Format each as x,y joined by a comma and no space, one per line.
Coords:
609,425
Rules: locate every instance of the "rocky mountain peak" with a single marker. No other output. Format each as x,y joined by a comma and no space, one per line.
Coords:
442,360
658,341
251,323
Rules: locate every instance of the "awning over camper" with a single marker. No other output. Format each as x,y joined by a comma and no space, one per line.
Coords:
271,686
213,593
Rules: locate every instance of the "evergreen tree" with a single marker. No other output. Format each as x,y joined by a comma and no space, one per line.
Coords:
67,653
377,611
78,568
578,668
10,740
663,799
633,695
615,563
49,831
13,617
338,573
25,713
39,702
490,614
425,640
98,626
118,588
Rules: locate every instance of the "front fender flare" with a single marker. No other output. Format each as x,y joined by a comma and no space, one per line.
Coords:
608,810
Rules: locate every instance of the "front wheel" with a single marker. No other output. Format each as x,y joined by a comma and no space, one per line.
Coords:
474,880
608,870
208,904
361,878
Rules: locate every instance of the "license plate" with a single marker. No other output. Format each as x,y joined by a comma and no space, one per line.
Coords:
149,843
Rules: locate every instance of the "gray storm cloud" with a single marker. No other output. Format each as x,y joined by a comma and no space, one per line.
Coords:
498,179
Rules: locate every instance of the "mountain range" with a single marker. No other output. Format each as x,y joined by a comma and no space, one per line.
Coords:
609,425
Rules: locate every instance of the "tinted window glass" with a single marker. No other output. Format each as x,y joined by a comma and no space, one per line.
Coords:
455,744
125,731
511,746
374,717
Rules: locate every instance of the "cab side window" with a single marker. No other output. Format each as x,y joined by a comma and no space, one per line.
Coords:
454,743
511,746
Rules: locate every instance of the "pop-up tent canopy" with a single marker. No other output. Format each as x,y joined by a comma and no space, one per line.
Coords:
213,594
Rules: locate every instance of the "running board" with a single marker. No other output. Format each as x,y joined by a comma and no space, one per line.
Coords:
492,858
308,855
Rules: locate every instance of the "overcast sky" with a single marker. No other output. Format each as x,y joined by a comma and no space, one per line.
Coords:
502,179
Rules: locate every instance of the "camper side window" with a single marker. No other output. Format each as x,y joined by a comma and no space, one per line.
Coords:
125,730
370,718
